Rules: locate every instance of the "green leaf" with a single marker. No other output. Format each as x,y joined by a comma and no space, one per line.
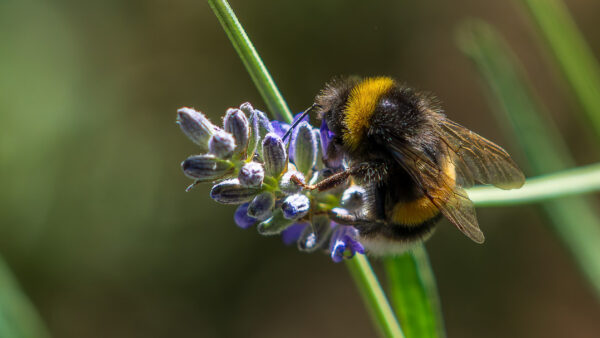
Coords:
574,219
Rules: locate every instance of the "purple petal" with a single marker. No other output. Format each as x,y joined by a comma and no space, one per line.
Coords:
326,136
280,128
337,251
290,235
356,246
293,136
241,217
344,243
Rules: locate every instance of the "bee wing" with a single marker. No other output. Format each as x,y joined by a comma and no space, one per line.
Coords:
454,203
459,210
478,160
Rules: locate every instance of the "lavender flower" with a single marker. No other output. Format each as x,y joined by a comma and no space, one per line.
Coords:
255,168
236,123
261,126
295,206
241,217
251,174
195,126
287,185
315,236
291,234
274,155
261,206
344,243
254,132
305,148
232,192
275,224
221,144
332,157
280,128
206,167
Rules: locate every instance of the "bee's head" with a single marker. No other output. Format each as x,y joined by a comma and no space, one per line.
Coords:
331,103
349,107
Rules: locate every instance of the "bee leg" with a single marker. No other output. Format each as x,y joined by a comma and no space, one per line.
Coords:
342,216
367,171
328,183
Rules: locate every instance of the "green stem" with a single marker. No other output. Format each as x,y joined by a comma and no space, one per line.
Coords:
571,52
574,219
18,317
359,265
252,61
414,295
373,296
561,184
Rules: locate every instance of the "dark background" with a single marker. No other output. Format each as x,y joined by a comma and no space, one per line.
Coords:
94,220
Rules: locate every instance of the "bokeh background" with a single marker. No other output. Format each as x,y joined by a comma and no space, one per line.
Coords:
101,236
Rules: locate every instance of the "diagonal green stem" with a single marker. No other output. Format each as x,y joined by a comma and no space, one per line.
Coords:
359,267
18,317
414,295
572,53
373,296
575,219
252,61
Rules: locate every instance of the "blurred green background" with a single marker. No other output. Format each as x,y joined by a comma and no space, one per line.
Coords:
97,227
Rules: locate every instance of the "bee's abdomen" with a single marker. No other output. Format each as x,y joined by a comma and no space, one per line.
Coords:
413,213
424,203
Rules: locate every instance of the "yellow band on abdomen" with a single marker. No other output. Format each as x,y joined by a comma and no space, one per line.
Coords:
423,209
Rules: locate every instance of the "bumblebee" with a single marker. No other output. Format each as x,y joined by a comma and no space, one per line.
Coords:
413,161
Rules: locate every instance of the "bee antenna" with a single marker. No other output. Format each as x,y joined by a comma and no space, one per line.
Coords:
308,110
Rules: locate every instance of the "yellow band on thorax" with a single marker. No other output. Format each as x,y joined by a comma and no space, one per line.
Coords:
360,107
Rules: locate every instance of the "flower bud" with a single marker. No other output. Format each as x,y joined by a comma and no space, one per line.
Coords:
275,224
261,127
317,135
313,237
305,148
295,206
254,136
237,124
251,174
287,185
221,144
353,198
273,155
261,206
232,192
247,108
196,127
206,167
